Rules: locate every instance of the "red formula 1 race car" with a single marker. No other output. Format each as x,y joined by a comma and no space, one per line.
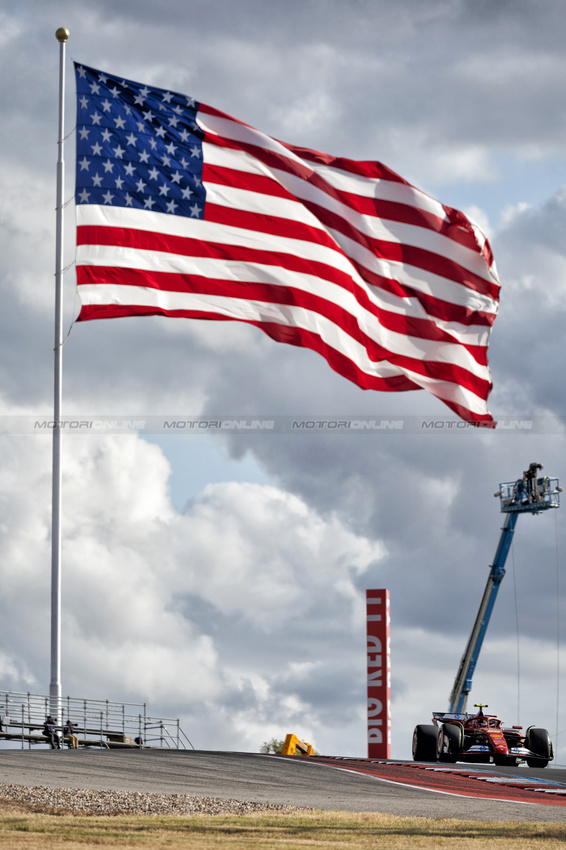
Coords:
480,738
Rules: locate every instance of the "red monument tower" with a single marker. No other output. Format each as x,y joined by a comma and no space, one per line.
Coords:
379,674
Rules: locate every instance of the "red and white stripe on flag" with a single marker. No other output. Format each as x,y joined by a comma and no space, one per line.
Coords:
397,291
378,674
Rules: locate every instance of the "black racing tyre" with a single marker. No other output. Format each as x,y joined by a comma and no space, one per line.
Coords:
449,742
538,741
424,743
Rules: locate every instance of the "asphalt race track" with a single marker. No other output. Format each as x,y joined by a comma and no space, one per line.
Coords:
400,788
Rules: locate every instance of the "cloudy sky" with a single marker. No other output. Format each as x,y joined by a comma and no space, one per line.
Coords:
221,578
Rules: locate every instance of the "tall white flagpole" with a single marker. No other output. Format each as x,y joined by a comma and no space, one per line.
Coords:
55,692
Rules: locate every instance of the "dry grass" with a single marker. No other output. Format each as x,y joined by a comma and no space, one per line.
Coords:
23,827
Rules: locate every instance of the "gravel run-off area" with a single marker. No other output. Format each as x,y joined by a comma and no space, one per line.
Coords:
85,802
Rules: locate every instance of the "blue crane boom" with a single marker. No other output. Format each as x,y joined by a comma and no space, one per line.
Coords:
532,494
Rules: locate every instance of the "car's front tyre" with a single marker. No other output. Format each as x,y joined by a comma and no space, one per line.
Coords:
538,741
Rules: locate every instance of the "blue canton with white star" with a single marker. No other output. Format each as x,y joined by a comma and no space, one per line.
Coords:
137,146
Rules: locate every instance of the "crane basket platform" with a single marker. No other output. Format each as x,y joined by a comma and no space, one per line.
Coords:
530,494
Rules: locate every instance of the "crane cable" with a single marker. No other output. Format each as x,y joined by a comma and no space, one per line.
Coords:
518,636
558,618
557,630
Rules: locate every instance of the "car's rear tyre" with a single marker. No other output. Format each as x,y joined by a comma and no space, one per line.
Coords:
538,741
424,743
449,742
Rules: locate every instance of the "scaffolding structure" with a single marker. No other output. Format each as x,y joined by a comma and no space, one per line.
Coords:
96,723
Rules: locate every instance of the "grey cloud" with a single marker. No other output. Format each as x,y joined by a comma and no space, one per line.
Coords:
529,339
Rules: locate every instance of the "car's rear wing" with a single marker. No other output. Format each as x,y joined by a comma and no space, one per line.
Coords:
447,716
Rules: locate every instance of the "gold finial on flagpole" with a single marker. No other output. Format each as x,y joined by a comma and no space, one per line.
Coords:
62,34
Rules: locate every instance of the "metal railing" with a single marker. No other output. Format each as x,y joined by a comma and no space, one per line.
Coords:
96,722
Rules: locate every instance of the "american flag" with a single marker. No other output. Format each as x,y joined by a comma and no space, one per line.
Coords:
184,211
